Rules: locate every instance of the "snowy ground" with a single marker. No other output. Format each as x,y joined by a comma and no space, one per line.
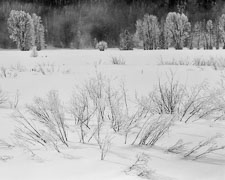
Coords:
140,74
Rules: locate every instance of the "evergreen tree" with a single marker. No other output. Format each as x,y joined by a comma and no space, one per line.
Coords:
20,27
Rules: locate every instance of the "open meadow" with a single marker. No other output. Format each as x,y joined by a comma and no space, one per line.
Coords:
108,115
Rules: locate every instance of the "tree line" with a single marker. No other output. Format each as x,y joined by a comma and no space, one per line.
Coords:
79,24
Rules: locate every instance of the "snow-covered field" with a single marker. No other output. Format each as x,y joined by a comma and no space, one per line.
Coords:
67,69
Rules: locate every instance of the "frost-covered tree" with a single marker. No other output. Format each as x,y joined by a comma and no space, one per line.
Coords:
163,37
198,34
20,27
126,40
38,38
217,34
209,31
148,31
178,28
222,29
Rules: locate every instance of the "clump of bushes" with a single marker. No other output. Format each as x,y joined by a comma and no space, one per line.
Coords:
118,61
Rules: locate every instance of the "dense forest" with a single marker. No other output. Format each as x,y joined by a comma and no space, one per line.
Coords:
79,23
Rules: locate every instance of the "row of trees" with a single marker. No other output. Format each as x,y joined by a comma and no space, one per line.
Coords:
26,30
77,25
177,32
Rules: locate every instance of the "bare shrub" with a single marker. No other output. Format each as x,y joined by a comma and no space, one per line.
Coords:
14,100
199,103
95,88
178,147
49,68
204,147
6,72
193,103
153,130
174,62
116,104
118,60
5,158
167,97
5,145
140,167
50,112
104,143
44,124
29,131
217,63
18,67
135,115
82,112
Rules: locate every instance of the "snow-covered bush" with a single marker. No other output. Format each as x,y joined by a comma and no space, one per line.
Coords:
38,33
126,40
102,45
20,26
178,28
148,31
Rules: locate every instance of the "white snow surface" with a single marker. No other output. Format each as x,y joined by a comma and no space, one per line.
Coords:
82,161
